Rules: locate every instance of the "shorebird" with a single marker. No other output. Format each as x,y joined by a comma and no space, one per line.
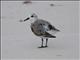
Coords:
41,28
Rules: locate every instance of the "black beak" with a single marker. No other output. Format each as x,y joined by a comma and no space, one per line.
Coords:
27,19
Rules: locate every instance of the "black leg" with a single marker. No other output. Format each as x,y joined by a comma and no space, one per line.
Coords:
46,43
41,44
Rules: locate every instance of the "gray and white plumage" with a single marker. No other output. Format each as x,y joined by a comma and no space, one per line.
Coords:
41,28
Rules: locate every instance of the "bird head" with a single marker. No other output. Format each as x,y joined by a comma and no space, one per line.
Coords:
32,18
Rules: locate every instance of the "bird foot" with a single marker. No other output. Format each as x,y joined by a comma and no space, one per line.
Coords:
46,46
42,46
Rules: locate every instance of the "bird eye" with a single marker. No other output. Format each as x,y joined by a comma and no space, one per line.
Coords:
43,24
32,16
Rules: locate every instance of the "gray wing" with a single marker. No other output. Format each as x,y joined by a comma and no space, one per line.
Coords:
44,25
41,25
41,32
52,28
38,28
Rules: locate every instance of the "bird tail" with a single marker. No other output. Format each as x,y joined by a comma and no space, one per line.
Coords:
53,32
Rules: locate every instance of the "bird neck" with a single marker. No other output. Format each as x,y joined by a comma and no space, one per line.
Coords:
33,20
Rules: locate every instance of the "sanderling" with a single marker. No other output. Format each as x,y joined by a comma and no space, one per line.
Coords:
41,28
